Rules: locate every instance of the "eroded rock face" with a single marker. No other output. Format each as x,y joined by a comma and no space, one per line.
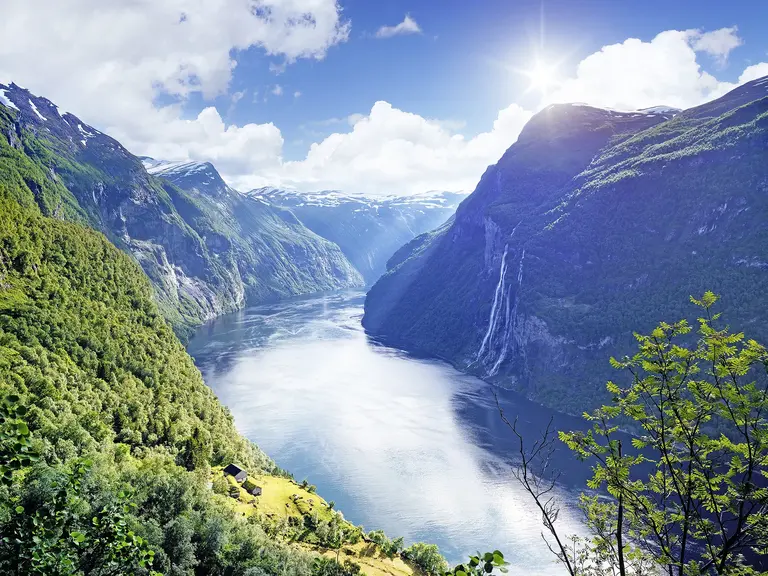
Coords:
594,224
206,247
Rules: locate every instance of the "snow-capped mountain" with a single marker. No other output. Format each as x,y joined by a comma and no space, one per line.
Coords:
199,175
369,229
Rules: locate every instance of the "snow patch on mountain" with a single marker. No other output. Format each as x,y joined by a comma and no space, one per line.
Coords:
660,110
157,167
36,111
5,101
328,198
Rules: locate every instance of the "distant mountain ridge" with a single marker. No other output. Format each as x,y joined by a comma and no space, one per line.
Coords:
205,255
369,229
593,224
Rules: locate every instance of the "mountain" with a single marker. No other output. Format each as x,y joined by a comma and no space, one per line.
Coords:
368,229
205,252
593,224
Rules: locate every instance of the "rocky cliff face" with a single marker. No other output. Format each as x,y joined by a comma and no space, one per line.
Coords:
593,224
187,242
368,229
274,253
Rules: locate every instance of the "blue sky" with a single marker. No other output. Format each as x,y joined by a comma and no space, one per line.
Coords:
458,68
198,79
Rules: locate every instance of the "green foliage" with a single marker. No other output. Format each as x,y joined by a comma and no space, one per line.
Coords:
389,548
16,451
427,557
84,346
689,492
60,533
329,567
480,565
221,486
335,533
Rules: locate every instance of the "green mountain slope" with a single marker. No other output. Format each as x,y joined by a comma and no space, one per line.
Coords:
595,223
115,402
193,249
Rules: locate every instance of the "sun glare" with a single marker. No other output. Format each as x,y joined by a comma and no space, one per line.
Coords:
542,76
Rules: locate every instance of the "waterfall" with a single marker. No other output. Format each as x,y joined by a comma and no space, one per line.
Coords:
510,319
493,318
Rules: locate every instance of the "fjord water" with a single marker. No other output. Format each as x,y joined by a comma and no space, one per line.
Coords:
406,445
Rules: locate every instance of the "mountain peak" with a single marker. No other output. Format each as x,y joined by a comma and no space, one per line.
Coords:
201,176
558,121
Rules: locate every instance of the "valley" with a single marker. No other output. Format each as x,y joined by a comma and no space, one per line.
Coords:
162,332
369,230
403,444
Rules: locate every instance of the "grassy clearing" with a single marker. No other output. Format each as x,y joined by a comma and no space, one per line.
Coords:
283,499
371,560
280,498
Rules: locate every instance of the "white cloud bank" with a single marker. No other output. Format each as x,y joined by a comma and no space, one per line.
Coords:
637,74
108,61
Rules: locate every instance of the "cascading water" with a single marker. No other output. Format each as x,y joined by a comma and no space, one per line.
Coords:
488,354
511,319
497,296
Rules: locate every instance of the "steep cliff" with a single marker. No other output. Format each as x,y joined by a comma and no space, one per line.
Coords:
594,223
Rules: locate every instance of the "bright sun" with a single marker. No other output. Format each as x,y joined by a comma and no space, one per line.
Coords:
543,77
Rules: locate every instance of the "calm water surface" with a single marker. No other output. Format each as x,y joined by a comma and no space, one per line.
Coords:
406,445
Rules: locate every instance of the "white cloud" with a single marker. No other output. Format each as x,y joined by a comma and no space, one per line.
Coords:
233,149
637,74
407,26
297,94
718,43
392,151
754,72
277,69
354,118
110,60
237,96
277,90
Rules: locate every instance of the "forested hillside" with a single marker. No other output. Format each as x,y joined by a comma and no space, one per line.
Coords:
122,428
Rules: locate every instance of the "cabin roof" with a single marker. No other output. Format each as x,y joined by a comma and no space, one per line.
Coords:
233,470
